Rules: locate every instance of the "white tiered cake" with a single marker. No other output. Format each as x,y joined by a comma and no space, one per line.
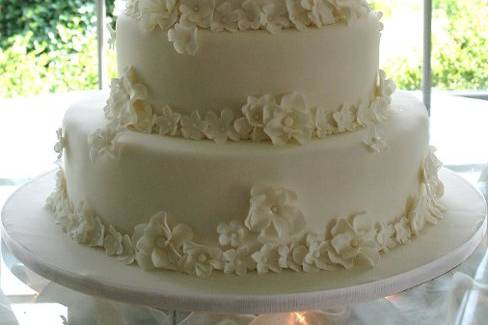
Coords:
247,136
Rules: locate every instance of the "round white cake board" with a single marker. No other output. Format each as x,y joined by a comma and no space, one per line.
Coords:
33,237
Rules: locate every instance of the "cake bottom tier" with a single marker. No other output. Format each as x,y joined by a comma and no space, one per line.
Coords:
248,195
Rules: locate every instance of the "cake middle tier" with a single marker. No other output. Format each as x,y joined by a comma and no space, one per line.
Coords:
203,184
330,66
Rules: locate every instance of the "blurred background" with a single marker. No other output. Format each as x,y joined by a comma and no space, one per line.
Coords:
51,46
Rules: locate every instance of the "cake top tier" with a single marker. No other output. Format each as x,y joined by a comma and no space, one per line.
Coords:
183,18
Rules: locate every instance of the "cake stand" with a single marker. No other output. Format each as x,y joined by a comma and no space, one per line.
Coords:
32,236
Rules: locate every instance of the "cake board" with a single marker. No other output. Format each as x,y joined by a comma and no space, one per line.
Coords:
30,233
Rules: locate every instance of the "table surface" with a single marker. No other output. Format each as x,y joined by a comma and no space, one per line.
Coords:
27,135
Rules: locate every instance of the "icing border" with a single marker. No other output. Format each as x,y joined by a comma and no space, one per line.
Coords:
184,18
271,238
272,119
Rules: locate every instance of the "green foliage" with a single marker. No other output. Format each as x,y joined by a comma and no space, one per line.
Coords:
459,46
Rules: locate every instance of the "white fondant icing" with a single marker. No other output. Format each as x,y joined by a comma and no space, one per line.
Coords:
292,120
329,66
271,238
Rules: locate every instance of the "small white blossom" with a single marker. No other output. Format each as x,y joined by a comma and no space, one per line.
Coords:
102,143
184,37
160,246
220,128
320,12
298,14
233,234
127,99
274,215
352,9
86,227
201,260
226,15
197,12
403,231
345,118
250,15
365,115
292,256
192,126
168,122
274,16
325,123
267,259
353,241
374,140
292,120
60,144
158,13
385,236
385,88
253,122
317,256
238,261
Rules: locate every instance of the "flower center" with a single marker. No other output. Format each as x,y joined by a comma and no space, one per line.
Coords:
161,242
275,209
288,121
202,258
354,243
196,8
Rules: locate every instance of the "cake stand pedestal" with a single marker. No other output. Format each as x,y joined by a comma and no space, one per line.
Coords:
32,236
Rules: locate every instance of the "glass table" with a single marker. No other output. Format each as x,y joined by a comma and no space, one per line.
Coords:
458,297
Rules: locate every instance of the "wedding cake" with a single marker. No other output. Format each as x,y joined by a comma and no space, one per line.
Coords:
247,136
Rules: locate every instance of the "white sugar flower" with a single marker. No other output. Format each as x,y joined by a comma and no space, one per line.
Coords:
324,123
184,37
253,122
86,228
113,242
220,128
267,259
352,9
366,116
418,212
429,170
345,118
132,9
403,231
201,260
226,15
274,16
292,256
160,246
233,234
60,144
167,122
112,37
198,12
353,242
274,215
317,256
385,88
374,140
127,99
192,126
250,16
158,13
385,236
292,120
238,261
320,12
298,14
102,143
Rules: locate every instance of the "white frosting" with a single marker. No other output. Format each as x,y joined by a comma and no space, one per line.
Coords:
183,18
329,66
338,175
289,120
271,238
